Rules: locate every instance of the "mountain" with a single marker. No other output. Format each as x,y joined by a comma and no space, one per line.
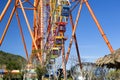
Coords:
11,61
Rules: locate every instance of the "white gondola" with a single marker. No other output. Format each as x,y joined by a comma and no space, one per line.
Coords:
52,61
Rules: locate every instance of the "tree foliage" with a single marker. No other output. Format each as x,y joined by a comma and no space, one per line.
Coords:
113,75
40,70
12,62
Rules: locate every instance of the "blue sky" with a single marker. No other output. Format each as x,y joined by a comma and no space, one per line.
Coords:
91,43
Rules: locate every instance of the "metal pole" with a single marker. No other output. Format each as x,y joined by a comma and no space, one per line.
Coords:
29,28
99,26
76,44
8,23
5,9
75,6
22,35
28,25
73,32
63,59
42,27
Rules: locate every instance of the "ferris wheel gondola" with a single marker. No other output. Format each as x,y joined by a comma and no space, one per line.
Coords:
55,52
62,26
65,11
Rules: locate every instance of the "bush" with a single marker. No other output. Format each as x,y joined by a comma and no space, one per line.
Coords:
113,75
40,70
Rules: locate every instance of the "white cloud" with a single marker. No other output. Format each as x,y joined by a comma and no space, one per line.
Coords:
89,57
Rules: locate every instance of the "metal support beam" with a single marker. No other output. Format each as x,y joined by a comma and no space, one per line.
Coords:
5,9
75,6
37,3
63,59
22,35
7,25
73,32
99,26
29,28
76,44
42,28
35,20
26,8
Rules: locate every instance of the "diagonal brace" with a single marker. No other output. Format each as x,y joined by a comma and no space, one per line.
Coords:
73,33
22,35
29,28
76,44
7,25
99,26
5,9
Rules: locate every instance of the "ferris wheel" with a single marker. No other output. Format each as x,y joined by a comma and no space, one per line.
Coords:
50,19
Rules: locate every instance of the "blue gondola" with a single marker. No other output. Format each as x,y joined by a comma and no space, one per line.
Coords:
65,11
2,71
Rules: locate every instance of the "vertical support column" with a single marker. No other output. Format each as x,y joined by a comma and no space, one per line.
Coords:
22,35
42,27
29,28
63,58
99,26
76,44
34,21
34,27
26,19
73,32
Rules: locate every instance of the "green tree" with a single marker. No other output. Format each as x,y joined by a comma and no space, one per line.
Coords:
40,70
12,66
113,75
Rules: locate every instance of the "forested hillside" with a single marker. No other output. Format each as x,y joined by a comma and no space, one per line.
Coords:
11,61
